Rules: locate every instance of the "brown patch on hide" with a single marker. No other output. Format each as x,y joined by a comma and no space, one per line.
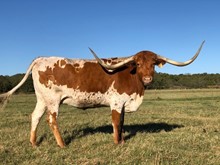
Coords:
62,62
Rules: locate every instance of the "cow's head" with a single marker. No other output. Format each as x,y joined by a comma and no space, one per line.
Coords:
144,63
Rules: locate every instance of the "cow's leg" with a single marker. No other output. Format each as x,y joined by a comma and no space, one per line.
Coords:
52,121
117,123
35,118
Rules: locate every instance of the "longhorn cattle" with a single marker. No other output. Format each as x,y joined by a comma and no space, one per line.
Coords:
118,83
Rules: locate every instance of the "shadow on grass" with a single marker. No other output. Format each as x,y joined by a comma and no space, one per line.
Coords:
131,129
41,139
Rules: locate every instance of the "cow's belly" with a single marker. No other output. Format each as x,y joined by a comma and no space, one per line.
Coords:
116,101
85,99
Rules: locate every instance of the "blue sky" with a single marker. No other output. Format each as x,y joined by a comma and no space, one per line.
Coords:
175,29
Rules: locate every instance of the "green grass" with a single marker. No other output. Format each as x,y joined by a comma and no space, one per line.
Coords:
171,127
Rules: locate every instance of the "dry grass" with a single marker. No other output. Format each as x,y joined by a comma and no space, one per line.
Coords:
171,127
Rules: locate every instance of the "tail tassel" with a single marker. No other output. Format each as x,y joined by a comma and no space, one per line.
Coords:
4,98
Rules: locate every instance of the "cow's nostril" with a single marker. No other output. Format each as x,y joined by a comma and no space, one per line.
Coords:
147,79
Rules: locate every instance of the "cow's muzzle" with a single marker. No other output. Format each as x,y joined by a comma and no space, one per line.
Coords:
147,80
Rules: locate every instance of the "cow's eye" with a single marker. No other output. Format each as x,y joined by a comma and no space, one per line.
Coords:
138,64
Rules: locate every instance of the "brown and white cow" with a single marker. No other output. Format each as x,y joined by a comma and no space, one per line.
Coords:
118,83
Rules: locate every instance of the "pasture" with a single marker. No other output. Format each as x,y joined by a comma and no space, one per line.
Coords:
171,127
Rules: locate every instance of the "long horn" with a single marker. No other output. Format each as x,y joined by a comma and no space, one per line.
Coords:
111,68
182,63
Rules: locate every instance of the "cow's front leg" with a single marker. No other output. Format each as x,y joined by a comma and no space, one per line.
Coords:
117,123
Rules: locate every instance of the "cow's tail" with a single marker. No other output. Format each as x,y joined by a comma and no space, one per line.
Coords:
4,98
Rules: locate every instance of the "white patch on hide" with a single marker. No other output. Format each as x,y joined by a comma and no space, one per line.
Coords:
42,63
130,102
50,119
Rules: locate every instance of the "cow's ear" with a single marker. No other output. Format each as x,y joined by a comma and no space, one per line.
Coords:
160,63
132,66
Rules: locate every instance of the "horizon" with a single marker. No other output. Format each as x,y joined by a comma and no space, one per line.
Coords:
155,72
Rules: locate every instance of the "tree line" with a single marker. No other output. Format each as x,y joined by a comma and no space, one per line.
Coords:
185,81
161,81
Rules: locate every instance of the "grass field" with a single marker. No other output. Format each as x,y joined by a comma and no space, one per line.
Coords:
176,127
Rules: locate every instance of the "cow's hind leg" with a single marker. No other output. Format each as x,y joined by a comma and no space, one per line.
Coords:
35,118
52,121
117,123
